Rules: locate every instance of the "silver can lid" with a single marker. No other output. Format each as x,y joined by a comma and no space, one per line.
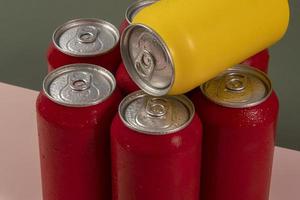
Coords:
156,115
147,59
135,7
238,87
79,85
85,37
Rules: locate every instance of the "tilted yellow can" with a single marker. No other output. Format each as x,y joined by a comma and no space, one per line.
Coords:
175,45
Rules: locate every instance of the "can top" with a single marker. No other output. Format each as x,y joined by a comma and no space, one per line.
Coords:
85,37
238,87
156,115
79,85
135,7
147,59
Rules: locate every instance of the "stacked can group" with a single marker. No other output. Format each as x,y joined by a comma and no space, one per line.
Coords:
216,142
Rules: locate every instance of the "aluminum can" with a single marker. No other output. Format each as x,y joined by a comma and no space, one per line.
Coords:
239,112
124,81
93,41
132,10
172,47
259,61
74,113
156,148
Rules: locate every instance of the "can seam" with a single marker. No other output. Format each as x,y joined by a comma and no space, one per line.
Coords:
133,6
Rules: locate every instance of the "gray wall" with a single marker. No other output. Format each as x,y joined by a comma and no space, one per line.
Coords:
285,73
26,28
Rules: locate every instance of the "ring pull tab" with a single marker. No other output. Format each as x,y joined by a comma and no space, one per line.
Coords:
144,64
157,107
79,88
80,83
156,112
236,82
234,87
87,34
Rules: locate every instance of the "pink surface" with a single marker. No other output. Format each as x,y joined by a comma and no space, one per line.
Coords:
19,159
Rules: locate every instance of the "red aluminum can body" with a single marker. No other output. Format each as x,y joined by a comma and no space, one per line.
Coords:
259,61
156,167
124,82
59,56
123,26
75,148
238,146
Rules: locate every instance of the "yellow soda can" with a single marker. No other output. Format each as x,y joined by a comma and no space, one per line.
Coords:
174,46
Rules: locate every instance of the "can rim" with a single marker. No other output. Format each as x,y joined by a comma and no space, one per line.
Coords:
131,9
71,67
139,94
124,47
75,22
243,68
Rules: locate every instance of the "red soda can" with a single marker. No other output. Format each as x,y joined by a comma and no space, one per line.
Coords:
156,148
259,61
74,113
91,41
124,82
239,111
132,10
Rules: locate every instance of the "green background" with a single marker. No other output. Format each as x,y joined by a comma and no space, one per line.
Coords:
26,28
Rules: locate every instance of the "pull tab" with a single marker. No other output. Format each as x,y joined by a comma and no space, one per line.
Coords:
157,107
79,83
87,34
79,88
144,64
155,113
85,41
234,88
236,82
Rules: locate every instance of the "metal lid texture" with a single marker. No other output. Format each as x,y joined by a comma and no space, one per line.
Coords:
135,7
85,37
238,87
147,59
79,85
156,115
